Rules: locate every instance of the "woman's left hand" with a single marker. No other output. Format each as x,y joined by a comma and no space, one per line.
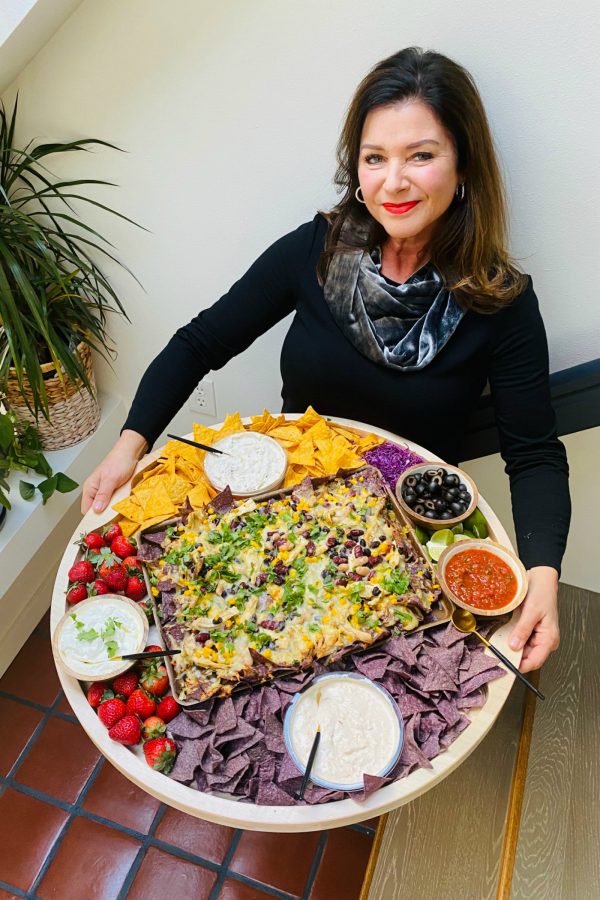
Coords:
537,629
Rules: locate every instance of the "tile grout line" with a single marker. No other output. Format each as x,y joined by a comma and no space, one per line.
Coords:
265,888
136,864
5,886
315,864
237,835
72,810
33,738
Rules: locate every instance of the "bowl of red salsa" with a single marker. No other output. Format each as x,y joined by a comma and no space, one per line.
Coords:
482,576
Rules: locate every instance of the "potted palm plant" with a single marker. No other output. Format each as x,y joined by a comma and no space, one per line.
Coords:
54,297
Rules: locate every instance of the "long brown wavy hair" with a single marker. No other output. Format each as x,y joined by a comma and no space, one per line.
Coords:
469,246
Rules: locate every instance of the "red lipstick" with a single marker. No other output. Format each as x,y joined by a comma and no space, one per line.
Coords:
396,209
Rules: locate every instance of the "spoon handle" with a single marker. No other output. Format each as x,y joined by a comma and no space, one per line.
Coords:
512,667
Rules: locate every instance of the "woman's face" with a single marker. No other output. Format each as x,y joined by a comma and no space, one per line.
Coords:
407,170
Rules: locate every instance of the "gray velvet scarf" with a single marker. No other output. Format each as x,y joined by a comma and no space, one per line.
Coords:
401,326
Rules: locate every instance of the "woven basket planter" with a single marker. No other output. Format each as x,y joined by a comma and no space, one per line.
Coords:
74,412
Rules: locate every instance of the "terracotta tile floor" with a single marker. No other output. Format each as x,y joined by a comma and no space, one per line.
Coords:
73,828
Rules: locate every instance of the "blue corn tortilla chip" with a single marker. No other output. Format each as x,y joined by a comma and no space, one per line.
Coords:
235,745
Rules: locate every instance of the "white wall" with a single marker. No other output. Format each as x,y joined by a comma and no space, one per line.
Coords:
230,112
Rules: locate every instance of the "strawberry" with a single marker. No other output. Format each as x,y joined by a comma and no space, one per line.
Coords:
125,684
114,574
168,708
110,532
110,711
77,593
140,704
98,587
154,678
146,605
97,692
160,754
91,541
127,731
82,571
135,588
122,547
153,727
133,565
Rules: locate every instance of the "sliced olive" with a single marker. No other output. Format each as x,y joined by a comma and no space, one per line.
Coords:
420,509
420,489
430,514
429,504
411,481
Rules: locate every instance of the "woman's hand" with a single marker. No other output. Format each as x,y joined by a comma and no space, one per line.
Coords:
537,629
114,470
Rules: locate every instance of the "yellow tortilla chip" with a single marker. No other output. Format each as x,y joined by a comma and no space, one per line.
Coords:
155,501
184,451
286,434
309,419
303,454
201,495
128,527
130,508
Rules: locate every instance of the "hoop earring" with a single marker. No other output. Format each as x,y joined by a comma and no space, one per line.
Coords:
460,191
360,199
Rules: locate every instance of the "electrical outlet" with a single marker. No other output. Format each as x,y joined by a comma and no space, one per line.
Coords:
203,398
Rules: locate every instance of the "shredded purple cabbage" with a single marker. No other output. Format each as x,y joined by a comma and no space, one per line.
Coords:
392,460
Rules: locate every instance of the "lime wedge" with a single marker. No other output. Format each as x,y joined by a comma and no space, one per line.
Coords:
458,529
438,542
421,534
477,524
462,537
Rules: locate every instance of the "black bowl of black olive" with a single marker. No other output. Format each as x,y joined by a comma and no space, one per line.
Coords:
436,495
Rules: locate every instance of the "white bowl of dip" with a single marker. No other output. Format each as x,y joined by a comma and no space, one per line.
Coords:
96,629
362,730
255,464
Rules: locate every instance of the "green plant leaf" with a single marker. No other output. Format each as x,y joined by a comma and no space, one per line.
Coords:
64,484
47,488
7,433
26,490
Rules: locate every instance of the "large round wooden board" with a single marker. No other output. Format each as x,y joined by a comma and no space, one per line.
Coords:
281,818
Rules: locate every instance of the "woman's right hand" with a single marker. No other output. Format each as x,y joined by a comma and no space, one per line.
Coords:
114,470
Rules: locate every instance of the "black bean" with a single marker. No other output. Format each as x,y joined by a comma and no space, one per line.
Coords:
366,551
356,532
376,591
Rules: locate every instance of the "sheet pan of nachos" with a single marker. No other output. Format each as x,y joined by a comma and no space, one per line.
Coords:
256,589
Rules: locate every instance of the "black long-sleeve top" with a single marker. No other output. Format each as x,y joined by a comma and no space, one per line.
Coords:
319,366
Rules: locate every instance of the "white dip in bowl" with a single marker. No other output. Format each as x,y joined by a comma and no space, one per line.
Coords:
361,730
94,631
254,463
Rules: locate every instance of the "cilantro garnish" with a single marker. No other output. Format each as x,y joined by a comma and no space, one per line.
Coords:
396,584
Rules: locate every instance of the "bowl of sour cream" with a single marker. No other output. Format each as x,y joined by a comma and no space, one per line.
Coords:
251,463
362,730
92,633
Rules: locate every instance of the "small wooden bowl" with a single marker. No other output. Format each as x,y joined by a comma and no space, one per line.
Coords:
89,674
504,554
435,524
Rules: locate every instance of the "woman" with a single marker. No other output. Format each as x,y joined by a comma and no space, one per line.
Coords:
406,303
